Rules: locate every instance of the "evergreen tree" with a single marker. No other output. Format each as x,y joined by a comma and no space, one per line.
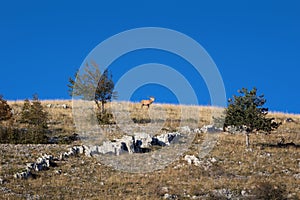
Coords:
25,114
246,113
5,110
36,119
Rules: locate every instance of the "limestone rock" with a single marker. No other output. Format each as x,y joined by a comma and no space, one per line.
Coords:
191,159
210,129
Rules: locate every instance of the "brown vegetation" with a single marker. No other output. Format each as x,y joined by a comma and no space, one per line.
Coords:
265,167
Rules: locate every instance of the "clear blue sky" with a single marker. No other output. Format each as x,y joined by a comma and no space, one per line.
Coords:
253,43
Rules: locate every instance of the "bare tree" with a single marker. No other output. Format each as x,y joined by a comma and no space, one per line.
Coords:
91,84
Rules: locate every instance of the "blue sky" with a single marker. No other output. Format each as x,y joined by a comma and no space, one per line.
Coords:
253,43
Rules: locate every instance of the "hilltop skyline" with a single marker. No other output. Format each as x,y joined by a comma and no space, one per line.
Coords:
253,44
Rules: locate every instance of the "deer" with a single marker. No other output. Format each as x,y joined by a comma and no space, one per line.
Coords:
147,102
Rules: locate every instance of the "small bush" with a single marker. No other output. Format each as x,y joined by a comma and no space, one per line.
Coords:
105,118
5,110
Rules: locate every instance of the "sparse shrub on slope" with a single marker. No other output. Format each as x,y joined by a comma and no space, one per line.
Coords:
246,113
5,114
36,119
5,110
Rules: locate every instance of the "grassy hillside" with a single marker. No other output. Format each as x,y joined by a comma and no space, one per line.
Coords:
228,170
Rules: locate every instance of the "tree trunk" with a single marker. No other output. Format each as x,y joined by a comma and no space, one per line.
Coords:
247,140
102,104
97,103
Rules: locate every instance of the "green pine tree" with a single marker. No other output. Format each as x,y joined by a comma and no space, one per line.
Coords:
36,119
246,113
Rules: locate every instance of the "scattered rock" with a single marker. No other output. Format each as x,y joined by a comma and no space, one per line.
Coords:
42,163
191,159
143,140
243,193
22,175
165,139
213,160
289,120
170,196
236,129
64,106
210,129
49,105
197,130
227,193
286,171
296,176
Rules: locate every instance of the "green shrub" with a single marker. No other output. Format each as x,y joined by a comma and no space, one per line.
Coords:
35,117
246,113
105,118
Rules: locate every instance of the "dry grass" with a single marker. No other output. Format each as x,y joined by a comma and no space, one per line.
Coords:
236,168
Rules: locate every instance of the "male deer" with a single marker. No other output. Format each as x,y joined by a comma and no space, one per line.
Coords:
147,102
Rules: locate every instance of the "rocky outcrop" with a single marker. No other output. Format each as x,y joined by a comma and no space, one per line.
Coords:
138,143
42,163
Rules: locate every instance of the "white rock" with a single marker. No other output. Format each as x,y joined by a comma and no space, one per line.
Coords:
165,139
210,129
80,149
191,159
22,175
197,130
87,151
64,106
94,150
243,192
184,129
213,160
143,140
296,176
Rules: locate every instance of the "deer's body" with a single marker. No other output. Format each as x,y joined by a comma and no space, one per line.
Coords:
147,102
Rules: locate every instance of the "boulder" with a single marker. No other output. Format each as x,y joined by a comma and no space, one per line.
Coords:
210,129
49,105
43,162
165,139
142,140
191,159
22,175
